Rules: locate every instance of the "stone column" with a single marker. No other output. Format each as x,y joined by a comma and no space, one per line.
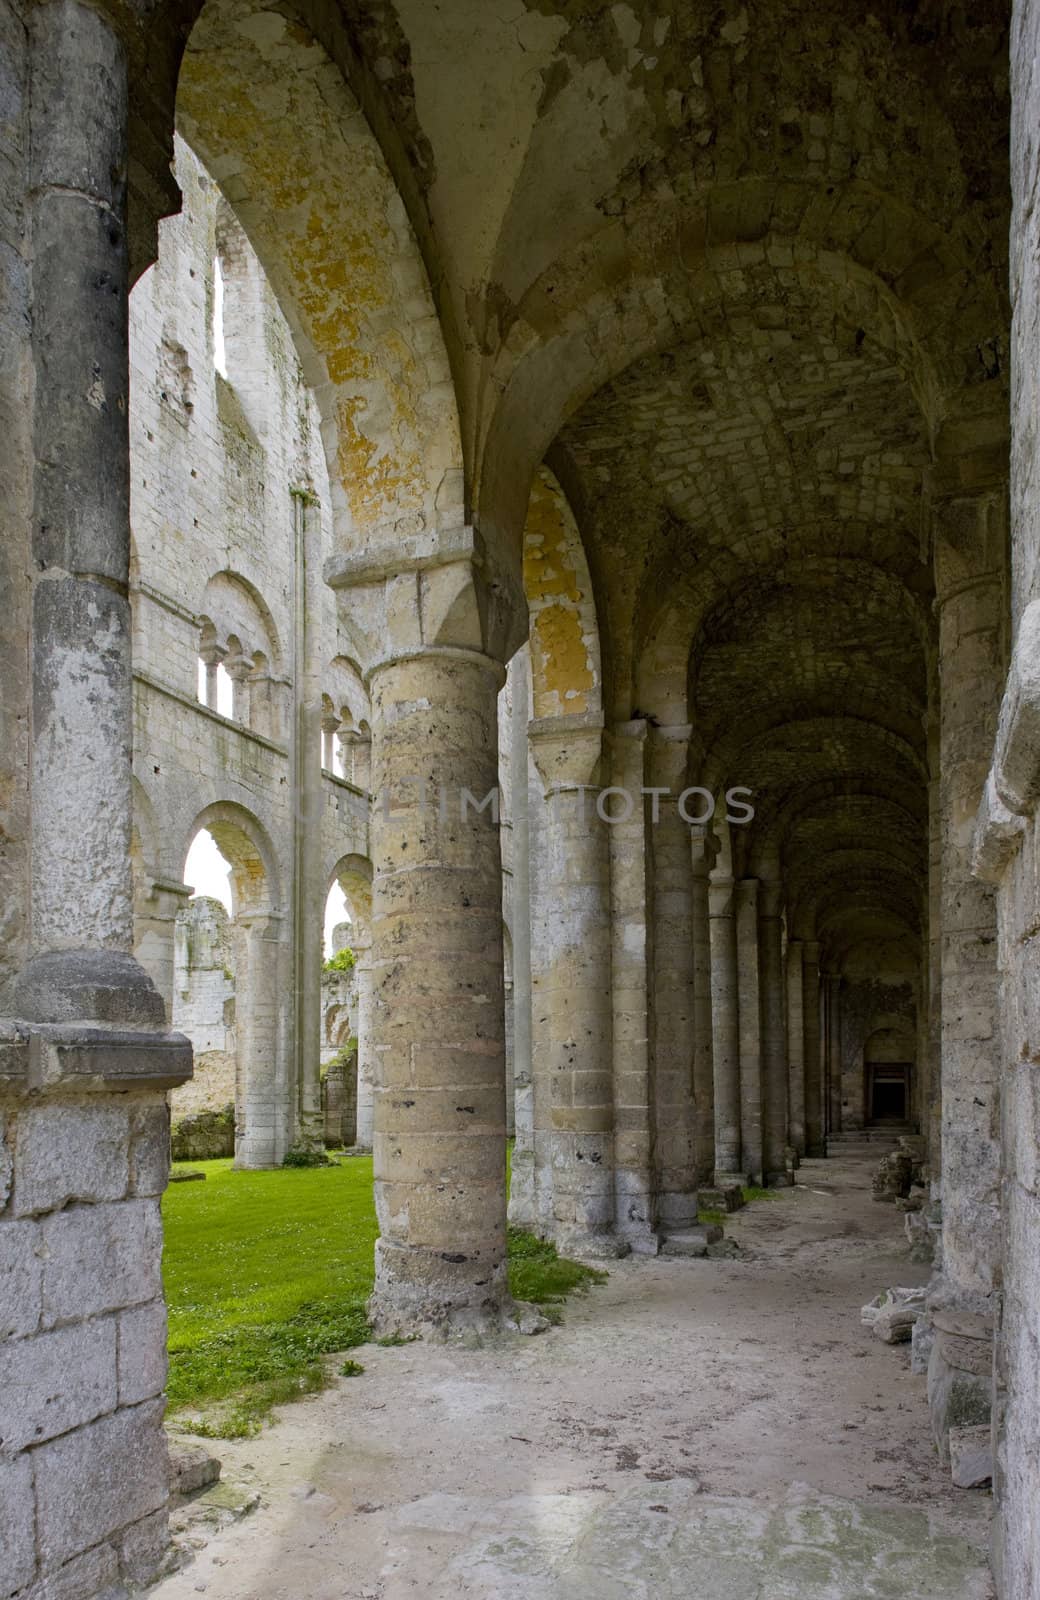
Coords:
570,959
833,1108
437,1012
702,850
264,1121
750,1010
238,669
725,1018
365,1063
814,1139
522,1202
795,1047
84,1056
630,992
154,933
308,802
671,944
970,552
774,1035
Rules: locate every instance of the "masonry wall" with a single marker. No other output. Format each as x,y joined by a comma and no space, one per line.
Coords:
15,495
1017,1463
215,463
871,1005
82,1344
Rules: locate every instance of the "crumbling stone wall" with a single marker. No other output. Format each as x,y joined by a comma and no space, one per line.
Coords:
204,1005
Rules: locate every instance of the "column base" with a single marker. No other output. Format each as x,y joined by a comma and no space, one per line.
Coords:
422,1291
595,1246
782,1179
816,1152
102,988
960,1373
677,1211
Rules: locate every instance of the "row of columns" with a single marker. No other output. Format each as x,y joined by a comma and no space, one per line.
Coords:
677,1043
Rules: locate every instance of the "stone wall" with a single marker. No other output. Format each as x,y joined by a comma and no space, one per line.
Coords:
1007,854
215,465
82,1344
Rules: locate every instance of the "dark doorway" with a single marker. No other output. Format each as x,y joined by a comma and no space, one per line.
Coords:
888,1092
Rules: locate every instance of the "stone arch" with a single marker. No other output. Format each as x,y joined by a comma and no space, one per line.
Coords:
232,607
262,960
244,842
566,664
580,347
268,112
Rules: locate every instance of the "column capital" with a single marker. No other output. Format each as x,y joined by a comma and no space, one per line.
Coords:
439,587
669,755
567,751
704,849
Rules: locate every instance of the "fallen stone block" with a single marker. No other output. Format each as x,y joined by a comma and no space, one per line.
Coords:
971,1456
723,1197
911,1300
691,1241
191,1467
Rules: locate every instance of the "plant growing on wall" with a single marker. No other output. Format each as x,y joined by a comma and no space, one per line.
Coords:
343,961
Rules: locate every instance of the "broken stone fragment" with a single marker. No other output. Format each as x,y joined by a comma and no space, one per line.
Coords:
971,1456
191,1467
887,1303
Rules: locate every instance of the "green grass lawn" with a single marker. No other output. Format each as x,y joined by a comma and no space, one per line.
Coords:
267,1273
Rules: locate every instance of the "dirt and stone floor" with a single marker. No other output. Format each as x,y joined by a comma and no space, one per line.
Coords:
704,1429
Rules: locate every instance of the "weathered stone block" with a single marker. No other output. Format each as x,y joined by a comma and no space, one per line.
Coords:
142,1353
17,1526
192,1467
150,1148
91,1576
70,1152
98,1480
971,1456
6,1161
56,1381
143,1549
101,1258
21,1278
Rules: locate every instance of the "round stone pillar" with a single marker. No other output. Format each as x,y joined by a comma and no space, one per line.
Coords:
570,961
774,1035
814,1140
795,1048
437,995
672,967
702,852
969,557
264,1120
725,1023
833,1107
365,1081
750,1007
81,892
